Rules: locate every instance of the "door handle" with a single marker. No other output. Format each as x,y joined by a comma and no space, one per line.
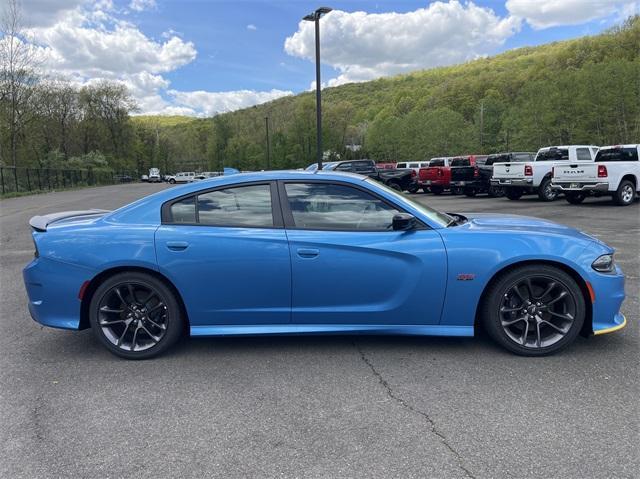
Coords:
177,245
308,252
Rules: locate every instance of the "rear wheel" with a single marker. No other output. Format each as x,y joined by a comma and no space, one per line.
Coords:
414,189
534,310
625,194
437,190
574,198
172,181
470,192
395,186
513,193
495,192
545,192
135,315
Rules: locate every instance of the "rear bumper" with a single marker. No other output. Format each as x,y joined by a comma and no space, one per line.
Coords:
579,186
512,182
468,183
52,290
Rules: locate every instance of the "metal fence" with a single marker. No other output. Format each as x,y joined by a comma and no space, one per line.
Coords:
16,180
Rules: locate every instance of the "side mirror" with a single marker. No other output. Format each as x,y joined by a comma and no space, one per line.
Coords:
403,222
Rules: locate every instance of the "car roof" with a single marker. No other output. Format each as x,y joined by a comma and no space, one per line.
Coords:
612,147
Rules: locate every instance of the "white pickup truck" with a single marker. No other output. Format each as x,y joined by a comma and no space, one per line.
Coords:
535,176
616,172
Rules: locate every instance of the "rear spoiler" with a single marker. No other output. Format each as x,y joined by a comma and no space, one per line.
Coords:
40,223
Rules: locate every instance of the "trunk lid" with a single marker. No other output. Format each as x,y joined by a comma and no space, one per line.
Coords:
575,172
510,170
463,173
43,222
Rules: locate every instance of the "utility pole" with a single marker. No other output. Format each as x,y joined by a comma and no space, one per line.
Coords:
266,123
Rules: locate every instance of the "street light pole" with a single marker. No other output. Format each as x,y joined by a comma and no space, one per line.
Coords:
315,17
266,122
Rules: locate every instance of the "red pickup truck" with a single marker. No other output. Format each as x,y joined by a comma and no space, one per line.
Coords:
436,176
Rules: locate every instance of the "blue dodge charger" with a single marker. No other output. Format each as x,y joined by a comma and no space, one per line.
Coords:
315,253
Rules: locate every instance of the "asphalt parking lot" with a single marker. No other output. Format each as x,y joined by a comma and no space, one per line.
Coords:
333,406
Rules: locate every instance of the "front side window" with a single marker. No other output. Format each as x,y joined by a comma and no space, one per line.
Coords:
324,206
240,206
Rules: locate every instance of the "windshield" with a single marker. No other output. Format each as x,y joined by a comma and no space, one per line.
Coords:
460,162
617,154
436,163
436,216
312,167
330,165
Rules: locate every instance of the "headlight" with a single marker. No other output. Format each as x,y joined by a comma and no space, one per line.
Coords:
604,263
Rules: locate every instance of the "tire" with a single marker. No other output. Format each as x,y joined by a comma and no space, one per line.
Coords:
437,190
470,192
172,181
531,333
157,320
574,198
545,192
513,193
455,191
625,194
395,186
413,189
495,192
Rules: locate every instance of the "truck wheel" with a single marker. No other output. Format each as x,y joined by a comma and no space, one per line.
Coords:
513,193
470,192
395,186
172,181
495,192
545,192
575,198
437,190
625,194
414,189
455,191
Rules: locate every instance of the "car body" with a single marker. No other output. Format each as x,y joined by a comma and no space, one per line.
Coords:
308,252
615,172
122,178
535,176
154,175
436,177
144,178
474,176
182,177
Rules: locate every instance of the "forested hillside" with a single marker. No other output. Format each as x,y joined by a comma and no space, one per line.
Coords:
580,91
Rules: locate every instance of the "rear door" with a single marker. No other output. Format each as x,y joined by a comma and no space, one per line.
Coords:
348,265
226,251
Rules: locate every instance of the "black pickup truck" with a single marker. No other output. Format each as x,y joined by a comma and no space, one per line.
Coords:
401,180
473,175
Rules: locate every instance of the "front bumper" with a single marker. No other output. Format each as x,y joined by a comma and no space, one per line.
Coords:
579,186
619,320
512,181
609,296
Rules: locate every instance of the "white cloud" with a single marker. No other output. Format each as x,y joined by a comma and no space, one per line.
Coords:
140,5
38,13
251,26
363,46
550,13
206,103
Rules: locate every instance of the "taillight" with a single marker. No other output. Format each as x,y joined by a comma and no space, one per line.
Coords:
602,171
476,173
528,170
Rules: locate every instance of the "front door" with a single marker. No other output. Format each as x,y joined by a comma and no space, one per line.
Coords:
227,253
349,266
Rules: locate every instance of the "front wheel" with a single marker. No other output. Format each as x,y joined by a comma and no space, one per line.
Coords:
625,194
395,186
172,181
574,198
437,190
546,192
470,192
135,315
413,189
534,310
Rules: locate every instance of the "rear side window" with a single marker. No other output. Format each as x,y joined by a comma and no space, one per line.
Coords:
583,154
401,165
553,154
522,157
363,166
414,165
343,167
436,163
460,162
241,206
618,154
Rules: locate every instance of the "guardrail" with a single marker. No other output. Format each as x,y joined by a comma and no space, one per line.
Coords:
25,180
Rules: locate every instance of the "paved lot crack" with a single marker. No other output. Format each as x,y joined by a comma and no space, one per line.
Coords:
399,400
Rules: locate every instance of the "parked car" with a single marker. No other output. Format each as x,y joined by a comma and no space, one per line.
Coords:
182,177
414,165
616,172
144,178
535,176
185,259
401,180
435,177
154,175
473,175
123,178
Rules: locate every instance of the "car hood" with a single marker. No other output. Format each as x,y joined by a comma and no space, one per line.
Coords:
522,224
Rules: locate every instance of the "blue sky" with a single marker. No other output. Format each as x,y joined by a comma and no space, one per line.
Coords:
202,57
